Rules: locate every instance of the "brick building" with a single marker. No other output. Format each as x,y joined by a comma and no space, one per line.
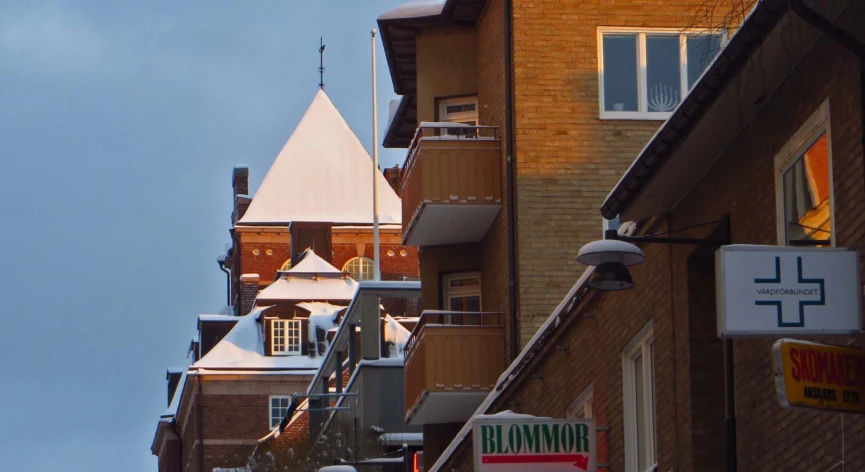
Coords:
783,98
518,118
299,250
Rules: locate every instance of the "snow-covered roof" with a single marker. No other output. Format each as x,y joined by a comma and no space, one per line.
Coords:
396,439
312,263
414,10
322,174
321,315
396,334
207,317
290,287
243,348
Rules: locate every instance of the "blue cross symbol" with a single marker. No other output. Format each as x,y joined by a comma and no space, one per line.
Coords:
791,294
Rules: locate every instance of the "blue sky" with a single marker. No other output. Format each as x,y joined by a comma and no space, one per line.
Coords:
120,123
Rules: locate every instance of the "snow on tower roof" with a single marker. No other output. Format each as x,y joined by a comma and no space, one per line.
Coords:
243,348
288,287
299,282
322,174
312,263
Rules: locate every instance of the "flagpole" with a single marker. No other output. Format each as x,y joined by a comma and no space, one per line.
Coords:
375,235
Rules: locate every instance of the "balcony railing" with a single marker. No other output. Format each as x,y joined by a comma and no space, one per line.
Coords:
452,361
451,187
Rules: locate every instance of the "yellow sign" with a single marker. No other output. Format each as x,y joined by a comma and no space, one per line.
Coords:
818,376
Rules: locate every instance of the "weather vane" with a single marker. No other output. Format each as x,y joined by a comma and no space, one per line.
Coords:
321,63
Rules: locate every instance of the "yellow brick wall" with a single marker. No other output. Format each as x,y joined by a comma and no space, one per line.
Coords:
567,158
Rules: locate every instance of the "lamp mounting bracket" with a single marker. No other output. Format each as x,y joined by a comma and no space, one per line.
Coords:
660,238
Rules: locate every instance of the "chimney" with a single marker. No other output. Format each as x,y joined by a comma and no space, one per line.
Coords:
248,291
240,180
392,174
240,184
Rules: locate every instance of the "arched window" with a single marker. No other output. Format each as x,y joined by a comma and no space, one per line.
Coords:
359,268
285,265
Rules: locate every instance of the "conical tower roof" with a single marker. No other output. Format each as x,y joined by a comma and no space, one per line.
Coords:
322,174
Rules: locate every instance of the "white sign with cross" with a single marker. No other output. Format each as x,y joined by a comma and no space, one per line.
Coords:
779,290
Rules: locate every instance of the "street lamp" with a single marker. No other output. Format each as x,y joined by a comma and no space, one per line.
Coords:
611,258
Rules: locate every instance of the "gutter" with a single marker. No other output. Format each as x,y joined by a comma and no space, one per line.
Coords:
200,426
510,147
221,262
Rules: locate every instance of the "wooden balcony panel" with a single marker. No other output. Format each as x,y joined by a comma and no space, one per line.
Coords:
451,187
449,369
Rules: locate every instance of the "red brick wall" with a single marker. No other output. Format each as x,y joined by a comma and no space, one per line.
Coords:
392,267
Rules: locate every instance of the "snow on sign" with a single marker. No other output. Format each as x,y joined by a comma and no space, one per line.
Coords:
774,290
516,443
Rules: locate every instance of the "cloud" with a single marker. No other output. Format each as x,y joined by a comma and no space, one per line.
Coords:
51,39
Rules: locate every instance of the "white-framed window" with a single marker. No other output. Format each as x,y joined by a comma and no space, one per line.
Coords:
278,409
459,110
462,292
359,268
285,337
285,265
638,385
581,407
644,73
804,185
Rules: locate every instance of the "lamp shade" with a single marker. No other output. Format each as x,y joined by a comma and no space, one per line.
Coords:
610,250
611,276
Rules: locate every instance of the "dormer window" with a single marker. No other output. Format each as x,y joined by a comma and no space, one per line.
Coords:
286,337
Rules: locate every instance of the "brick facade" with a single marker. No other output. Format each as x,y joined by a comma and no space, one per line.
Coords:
264,250
675,292
567,158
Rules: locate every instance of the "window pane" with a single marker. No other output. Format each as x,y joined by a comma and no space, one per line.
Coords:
701,50
620,72
807,206
472,303
662,72
640,384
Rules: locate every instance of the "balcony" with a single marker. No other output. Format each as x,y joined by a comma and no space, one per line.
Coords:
452,362
451,186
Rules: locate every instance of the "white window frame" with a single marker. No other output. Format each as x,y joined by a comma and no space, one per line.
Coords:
641,344
361,260
448,293
270,408
583,406
288,347
814,127
461,117
642,81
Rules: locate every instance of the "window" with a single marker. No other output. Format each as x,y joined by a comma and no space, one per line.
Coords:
803,181
359,268
638,381
285,337
581,408
643,74
285,266
278,409
459,110
462,292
